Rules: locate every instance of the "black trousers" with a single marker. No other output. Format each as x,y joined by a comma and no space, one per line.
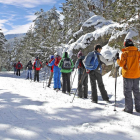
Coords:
93,77
18,72
36,75
83,85
66,82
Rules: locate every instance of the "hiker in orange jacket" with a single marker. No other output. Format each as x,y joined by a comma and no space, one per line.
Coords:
131,73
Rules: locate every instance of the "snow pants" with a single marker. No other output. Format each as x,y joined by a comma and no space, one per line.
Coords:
66,82
36,75
57,76
50,79
129,86
93,77
15,70
18,72
29,74
83,85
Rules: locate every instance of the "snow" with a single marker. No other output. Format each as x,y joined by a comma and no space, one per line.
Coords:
109,52
102,27
96,21
131,34
30,112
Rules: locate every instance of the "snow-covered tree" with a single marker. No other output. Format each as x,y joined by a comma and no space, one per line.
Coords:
47,31
75,13
128,12
2,49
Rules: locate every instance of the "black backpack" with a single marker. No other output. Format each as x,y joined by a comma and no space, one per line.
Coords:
66,63
29,65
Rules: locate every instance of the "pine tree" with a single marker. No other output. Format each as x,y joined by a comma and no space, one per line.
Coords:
128,11
75,13
2,49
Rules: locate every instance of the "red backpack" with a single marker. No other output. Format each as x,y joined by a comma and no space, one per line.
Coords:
57,60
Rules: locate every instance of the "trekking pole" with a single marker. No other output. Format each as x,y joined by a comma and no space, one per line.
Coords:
78,86
44,78
73,79
115,87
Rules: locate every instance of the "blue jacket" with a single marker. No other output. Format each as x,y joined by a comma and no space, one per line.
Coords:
57,75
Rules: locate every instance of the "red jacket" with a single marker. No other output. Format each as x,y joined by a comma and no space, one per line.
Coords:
18,65
53,65
39,67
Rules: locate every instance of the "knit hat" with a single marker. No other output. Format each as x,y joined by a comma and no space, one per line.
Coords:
128,42
66,54
36,58
79,53
52,56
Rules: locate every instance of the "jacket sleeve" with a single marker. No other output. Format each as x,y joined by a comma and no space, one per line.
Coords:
121,62
102,59
72,63
40,65
21,66
60,63
77,63
52,63
34,65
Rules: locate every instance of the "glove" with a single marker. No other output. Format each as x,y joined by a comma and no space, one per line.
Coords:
116,64
117,56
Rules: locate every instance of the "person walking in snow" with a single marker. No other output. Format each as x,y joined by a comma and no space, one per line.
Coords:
56,70
15,70
66,65
37,66
29,73
18,67
129,62
82,76
97,75
51,75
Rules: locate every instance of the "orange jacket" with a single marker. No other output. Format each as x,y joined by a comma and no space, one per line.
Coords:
129,62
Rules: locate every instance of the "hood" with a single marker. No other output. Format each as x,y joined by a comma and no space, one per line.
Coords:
131,48
65,55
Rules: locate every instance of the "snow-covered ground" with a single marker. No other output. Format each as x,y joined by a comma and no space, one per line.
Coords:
30,112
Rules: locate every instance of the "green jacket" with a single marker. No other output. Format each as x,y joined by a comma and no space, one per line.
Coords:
61,63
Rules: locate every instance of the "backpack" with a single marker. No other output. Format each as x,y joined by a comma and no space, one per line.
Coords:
81,65
29,65
91,61
19,65
66,63
57,60
37,64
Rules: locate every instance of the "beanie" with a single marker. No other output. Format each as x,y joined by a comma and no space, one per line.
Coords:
52,56
128,42
79,53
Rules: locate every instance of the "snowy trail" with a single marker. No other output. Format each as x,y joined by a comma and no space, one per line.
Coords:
29,112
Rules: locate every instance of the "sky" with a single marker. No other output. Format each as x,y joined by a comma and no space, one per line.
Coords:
16,16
